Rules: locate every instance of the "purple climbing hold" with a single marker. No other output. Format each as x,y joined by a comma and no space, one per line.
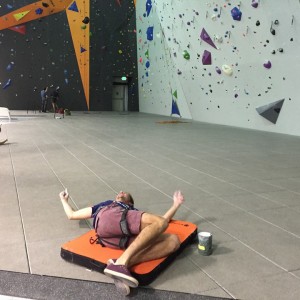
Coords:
206,38
82,49
206,58
254,3
267,64
218,70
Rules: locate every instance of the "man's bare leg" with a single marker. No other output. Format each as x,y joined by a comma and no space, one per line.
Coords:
163,246
152,227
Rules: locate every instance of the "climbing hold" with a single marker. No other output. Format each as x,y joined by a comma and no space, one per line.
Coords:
206,58
267,64
236,14
214,17
9,66
205,37
218,70
218,38
271,111
272,30
73,7
86,20
39,11
82,49
8,83
175,109
150,33
21,15
148,7
227,70
186,55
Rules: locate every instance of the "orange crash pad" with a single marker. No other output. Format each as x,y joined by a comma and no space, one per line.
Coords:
84,252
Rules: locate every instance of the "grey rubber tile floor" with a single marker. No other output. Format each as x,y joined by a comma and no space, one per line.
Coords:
240,185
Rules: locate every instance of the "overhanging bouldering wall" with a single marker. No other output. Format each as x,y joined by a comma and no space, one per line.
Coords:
225,60
37,52
64,43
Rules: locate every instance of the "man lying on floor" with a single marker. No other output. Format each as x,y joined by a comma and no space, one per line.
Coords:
141,235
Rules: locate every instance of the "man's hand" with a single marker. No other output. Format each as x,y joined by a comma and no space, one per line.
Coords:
178,198
64,195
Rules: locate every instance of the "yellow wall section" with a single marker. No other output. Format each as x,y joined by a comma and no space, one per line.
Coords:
81,39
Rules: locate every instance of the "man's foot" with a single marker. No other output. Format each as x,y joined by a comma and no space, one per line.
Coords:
122,287
120,272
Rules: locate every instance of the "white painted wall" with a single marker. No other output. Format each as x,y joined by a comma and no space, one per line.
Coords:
203,94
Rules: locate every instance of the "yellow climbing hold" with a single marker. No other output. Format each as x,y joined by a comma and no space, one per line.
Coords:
21,15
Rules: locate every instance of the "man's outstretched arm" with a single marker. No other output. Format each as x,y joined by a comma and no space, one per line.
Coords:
84,213
178,199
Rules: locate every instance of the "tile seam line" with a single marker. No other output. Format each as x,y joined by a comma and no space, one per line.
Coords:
20,211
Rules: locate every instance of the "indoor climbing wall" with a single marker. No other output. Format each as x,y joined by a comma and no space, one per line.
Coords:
113,52
78,45
225,62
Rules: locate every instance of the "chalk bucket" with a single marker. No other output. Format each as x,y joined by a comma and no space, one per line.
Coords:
205,243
